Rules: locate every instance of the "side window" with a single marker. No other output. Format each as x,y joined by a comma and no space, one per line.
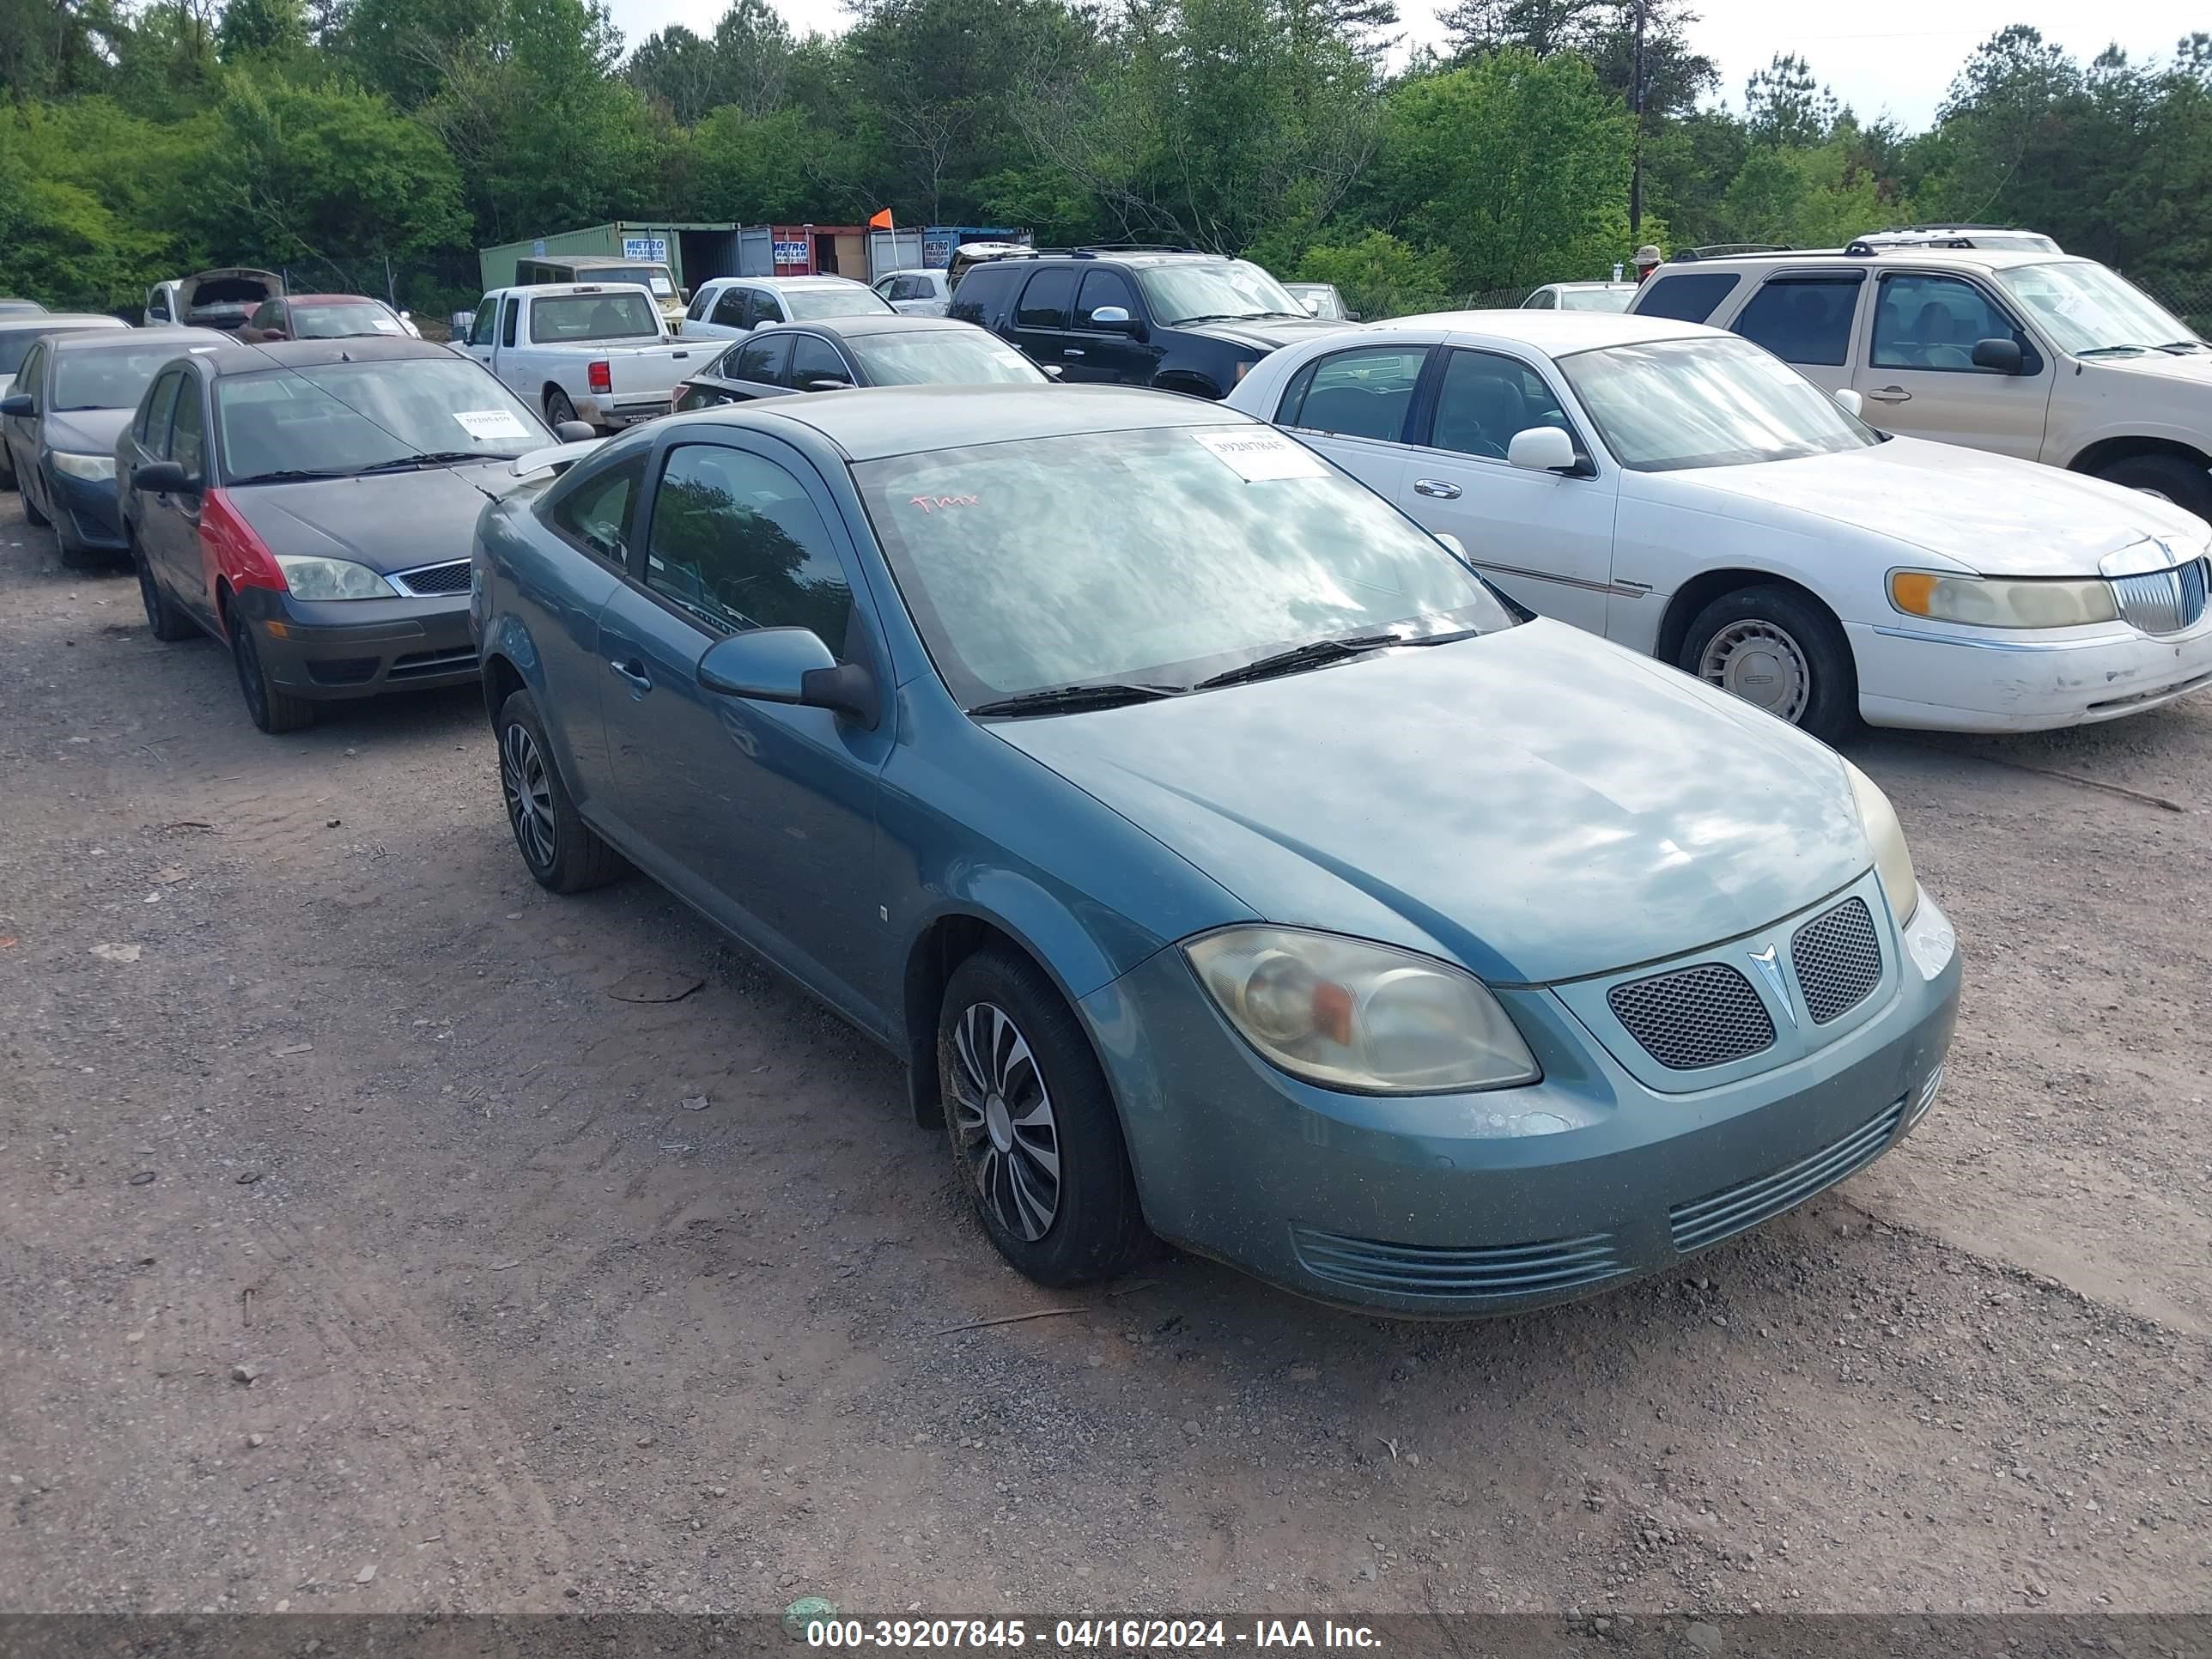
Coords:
487,319
1542,299
512,315
1484,398
980,296
763,360
904,288
27,373
1934,322
1357,394
595,514
813,357
696,311
157,304
1803,319
154,420
1104,287
1689,296
730,307
1045,300
737,543
765,308
188,432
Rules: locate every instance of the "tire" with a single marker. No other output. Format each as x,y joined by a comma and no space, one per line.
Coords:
558,408
1781,650
166,623
2168,477
564,854
39,519
274,710
1005,1030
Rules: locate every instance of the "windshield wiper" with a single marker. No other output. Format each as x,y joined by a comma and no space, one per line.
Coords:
1067,699
1221,317
2098,351
1311,654
2177,346
430,458
293,474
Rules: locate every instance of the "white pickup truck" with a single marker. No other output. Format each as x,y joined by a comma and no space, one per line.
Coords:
596,352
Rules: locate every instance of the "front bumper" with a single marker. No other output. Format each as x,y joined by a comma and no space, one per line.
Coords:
1471,1204
333,649
1922,678
86,513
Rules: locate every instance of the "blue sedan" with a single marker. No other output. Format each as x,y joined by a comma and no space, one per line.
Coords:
1225,860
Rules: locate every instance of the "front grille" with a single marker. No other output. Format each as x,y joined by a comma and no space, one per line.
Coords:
1723,1214
1467,1273
423,663
342,671
1695,1017
2162,601
432,580
1925,1096
1838,960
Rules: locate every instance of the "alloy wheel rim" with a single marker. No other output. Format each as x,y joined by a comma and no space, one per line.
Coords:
1002,1115
529,795
1762,663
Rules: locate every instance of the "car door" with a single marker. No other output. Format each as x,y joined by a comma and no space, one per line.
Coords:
1041,316
726,318
1917,371
484,329
20,432
1111,356
1355,406
1545,538
144,440
762,814
817,365
758,368
172,518
763,307
1808,319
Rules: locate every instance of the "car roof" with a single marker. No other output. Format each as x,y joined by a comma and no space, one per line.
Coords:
98,339
813,279
1555,332
1964,258
869,425
332,299
37,321
874,323
1563,287
234,357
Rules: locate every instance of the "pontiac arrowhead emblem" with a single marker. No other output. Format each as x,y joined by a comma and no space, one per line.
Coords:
1769,967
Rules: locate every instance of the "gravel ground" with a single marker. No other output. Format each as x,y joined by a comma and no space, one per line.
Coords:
358,1251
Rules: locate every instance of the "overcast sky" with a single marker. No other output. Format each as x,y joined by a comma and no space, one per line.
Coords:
1894,56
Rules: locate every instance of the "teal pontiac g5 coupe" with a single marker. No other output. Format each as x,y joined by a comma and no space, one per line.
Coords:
1226,861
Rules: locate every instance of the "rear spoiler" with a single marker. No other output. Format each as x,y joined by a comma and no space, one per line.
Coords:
557,458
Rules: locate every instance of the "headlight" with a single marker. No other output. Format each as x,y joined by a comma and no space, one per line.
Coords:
1995,603
101,467
1893,860
331,579
1349,1015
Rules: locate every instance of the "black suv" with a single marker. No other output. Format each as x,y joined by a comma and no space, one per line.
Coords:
1171,318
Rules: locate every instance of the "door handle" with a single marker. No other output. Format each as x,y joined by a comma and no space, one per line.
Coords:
1071,351
1891,394
633,673
1438,489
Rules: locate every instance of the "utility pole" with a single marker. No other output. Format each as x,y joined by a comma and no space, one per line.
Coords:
1636,144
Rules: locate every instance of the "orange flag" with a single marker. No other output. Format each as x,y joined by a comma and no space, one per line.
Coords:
882,221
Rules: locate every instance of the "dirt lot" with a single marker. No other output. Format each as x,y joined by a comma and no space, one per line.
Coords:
363,1112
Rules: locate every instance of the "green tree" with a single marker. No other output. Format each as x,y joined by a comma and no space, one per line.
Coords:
260,28
1785,105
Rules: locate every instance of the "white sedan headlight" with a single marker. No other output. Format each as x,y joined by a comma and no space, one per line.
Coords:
1893,860
1997,603
1347,1014
99,468
331,579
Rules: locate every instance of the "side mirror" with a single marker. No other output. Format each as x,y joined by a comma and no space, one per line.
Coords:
575,432
406,316
2004,355
1541,449
462,323
788,666
1351,316
1051,371
825,382
19,403
1312,306
1851,404
684,295
164,479
1114,319
1452,545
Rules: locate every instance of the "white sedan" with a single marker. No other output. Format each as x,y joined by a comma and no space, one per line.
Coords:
1683,492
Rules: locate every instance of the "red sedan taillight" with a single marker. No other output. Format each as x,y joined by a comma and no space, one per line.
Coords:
602,376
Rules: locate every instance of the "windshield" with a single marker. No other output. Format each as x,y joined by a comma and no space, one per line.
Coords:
343,417
1153,557
331,322
655,277
810,304
1320,296
622,315
1211,289
110,378
1675,403
2083,306
941,356
1596,299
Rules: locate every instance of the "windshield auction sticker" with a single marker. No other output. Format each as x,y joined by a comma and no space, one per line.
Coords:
485,425
1258,455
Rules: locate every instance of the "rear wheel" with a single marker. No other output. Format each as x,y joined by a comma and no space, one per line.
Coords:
558,408
1780,651
2169,478
162,616
274,710
563,853
1035,1135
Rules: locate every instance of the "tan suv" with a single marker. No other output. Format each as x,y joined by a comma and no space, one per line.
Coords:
2026,353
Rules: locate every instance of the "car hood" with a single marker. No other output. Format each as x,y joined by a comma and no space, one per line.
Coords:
87,431
394,521
1264,333
1991,515
2192,366
1537,804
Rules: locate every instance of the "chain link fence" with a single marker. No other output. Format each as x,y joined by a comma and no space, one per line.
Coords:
430,287
2188,297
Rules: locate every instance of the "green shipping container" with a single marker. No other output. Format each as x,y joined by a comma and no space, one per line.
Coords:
692,251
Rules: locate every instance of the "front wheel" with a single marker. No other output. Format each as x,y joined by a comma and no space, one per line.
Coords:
274,710
1036,1139
564,854
558,408
38,520
1780,651
2169,478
